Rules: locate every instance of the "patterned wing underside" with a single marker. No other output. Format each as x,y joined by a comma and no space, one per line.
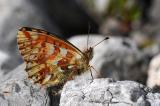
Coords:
49,60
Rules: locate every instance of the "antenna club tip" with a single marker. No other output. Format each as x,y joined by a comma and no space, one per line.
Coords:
106,38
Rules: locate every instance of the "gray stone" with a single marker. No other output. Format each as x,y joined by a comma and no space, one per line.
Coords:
152,50
106,92
17,90
110,25
4,56
154,12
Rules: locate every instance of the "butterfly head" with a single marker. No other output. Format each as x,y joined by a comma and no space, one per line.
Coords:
89,53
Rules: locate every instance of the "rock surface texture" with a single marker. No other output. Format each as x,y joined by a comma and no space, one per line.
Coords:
105,92
17,90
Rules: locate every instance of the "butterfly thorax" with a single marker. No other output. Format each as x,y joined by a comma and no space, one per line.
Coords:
88,54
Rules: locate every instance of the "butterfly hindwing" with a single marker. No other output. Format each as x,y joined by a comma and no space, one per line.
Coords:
49,59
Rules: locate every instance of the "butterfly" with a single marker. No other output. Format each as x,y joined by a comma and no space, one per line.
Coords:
49,59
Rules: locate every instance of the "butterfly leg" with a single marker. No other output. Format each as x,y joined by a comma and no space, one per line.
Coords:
91,73
94,69
70,77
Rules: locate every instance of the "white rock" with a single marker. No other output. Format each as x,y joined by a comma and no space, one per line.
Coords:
116,58
105,92
154,72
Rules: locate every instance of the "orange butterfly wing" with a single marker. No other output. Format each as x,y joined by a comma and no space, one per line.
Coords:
49,59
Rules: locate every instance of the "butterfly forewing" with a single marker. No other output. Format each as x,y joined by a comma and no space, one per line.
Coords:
49,59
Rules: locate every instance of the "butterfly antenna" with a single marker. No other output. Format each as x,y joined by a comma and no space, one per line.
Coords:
89,28
100,42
